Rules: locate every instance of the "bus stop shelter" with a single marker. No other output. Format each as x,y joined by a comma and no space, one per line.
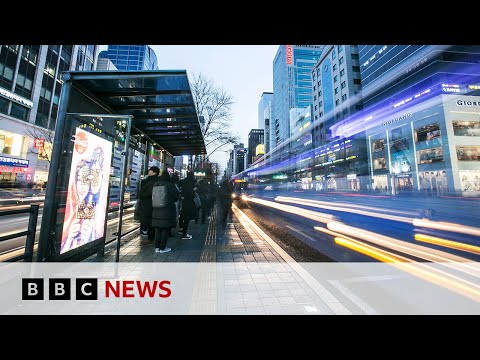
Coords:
101,114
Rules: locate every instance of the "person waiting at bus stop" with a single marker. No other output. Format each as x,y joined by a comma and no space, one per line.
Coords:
188,204
165,217
143,211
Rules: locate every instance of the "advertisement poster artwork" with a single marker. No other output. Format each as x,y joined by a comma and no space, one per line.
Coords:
87,191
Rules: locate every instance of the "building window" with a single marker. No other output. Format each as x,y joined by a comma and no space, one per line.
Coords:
333,54
337,102
357,81
335,79
356,68
319,93
314,88
334,67
336,90
319,82
343,84
313,76
345,111
354,56
341,60
315,98
338,116
315,107
19,112
344,97
316,117
321,114
358,107
342,72
10,143
3,105
320,103
339,48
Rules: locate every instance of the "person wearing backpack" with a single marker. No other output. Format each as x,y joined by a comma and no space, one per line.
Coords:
143,211
164,215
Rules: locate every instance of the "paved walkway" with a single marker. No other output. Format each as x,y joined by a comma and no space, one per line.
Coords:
256,275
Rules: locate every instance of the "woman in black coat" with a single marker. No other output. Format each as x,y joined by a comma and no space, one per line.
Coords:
143,211
164,218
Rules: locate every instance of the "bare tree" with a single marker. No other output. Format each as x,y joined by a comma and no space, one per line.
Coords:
214,105
39,133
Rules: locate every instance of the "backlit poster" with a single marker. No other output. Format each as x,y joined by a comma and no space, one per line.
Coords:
87,191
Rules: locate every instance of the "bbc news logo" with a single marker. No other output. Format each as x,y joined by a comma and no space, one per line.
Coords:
87,289
59,289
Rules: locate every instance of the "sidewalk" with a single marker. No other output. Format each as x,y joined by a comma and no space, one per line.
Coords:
256,275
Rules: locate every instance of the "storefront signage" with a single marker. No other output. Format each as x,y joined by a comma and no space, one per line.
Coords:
199,173
8,161
10,169
11,96
351,176
38,143
468,103
400,118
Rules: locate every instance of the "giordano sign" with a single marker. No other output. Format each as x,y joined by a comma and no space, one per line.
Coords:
399,118
468,103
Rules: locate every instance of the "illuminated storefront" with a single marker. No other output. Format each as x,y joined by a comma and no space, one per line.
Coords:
13,165
432,147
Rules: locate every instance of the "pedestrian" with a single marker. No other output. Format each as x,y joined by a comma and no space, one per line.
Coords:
188,204
143,211
164,215
176,181
203,191
225,195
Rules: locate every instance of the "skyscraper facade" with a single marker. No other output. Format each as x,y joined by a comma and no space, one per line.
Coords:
255,138
264,116
131,57
292,86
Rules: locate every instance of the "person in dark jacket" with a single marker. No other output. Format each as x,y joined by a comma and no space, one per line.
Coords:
164,218
188,204
225,194
203,191
144,207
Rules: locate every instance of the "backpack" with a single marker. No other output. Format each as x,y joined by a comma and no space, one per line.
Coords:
159,196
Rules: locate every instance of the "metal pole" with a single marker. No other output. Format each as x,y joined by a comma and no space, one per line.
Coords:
32,229
49,217
146,157
122,187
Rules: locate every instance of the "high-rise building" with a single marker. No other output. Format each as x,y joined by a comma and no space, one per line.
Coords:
255,139
336,89
30,86
131,57
420,118
292,86
264,116
239,154
105,64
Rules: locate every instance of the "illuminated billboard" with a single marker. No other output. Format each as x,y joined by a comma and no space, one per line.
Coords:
87,194
260,149
289,51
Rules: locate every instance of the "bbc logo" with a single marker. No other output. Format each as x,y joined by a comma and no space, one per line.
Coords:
59,289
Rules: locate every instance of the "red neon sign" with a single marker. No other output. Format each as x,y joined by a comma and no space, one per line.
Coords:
39,143
289,49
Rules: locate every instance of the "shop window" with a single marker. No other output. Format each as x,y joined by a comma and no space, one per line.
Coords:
10,143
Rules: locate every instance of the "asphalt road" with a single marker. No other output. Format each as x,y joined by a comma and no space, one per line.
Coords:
386,223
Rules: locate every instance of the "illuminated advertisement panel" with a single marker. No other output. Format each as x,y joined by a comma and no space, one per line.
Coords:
87,195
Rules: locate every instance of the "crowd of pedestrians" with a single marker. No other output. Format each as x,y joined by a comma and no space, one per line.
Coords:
165,202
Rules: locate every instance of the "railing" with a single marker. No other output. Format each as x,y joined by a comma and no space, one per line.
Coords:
30,232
